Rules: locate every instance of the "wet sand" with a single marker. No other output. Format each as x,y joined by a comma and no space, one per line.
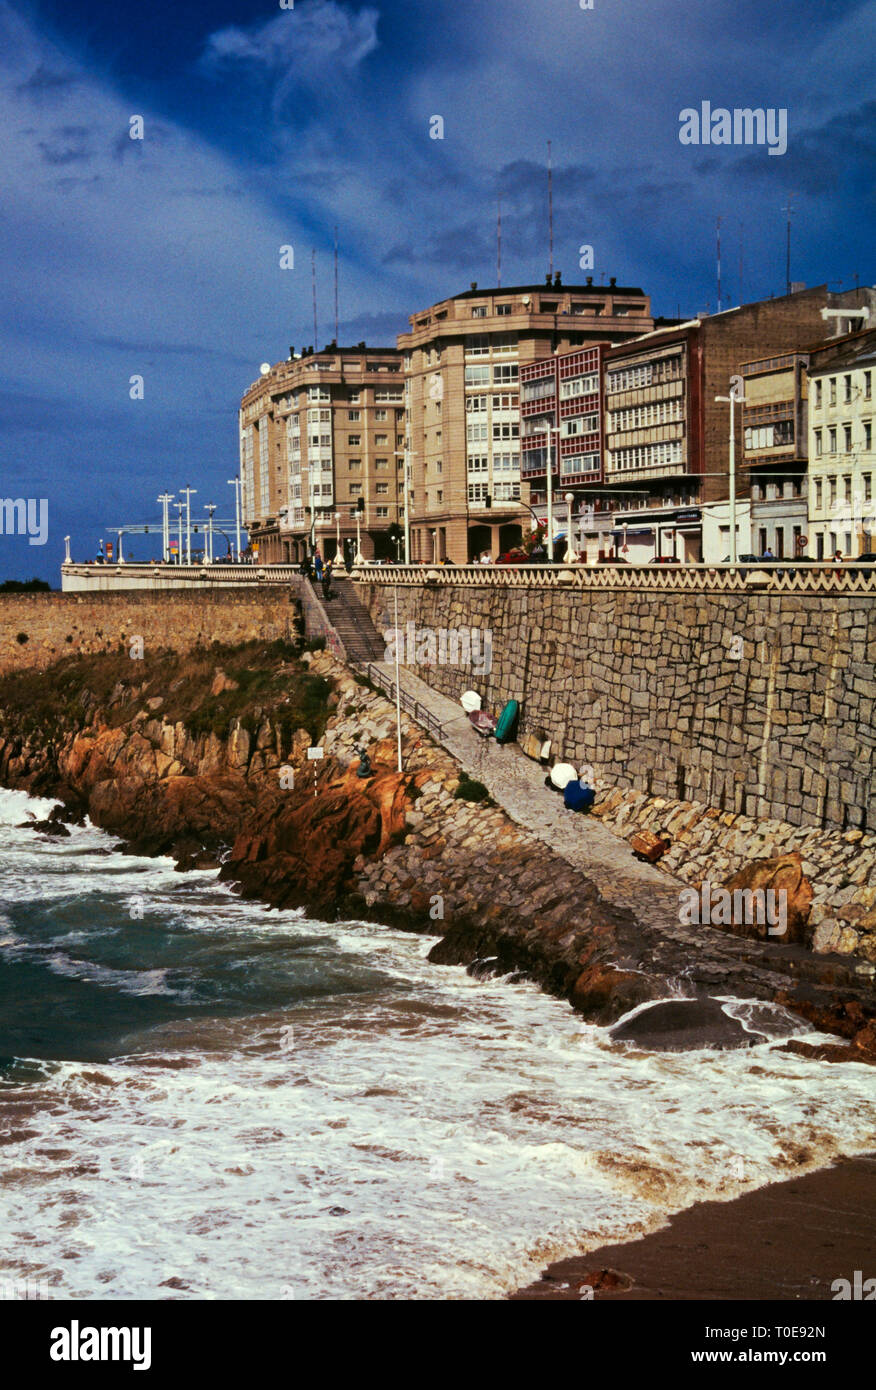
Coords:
788,1241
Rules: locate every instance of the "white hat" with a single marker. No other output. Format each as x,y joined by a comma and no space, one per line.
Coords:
562,774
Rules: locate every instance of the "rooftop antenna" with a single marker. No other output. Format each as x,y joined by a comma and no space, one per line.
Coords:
551,207
336,284
790,211
741,244
313,277
499,246
718,244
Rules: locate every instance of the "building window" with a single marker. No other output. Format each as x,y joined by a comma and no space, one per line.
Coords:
847,433
355,489
868,487
867,388
832,440
479,311
381,463
354,415
355,465
868,436
439,495
477,376
505,374
381,441
477,345
847,489
847,389
354,440
355,396
833,390
503,309
831,499
378,415
382,512
818,444
382,489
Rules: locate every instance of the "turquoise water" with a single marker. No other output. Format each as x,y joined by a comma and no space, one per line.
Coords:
202,1098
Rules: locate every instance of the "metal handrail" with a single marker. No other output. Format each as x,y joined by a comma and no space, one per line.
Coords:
412,706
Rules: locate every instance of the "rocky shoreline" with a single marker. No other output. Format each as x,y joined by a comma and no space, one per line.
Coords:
183,757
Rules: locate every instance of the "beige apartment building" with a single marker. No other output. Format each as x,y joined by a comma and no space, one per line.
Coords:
321,439
462,361
842,460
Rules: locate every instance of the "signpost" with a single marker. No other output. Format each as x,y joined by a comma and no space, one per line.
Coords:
314,754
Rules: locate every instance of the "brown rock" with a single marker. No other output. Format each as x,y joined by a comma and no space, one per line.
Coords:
783,874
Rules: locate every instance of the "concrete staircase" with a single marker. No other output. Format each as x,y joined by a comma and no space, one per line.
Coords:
351,621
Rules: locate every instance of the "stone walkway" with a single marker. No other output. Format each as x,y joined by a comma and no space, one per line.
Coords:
517,784
693,956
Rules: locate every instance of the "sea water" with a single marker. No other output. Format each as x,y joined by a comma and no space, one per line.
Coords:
204,1098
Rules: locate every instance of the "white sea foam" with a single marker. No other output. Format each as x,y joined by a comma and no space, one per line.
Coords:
411,1133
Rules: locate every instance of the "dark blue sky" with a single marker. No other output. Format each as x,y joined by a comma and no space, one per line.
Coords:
266,126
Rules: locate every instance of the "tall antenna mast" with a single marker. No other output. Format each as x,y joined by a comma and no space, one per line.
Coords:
551,207
499,246
313,277
718,240
741,245
336,284
790,211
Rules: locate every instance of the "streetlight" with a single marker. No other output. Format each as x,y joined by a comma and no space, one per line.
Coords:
209,508
408,453
359,558
555,430
179,511
188,494
733,398
166,498
337,536
235,483
570,498
121,558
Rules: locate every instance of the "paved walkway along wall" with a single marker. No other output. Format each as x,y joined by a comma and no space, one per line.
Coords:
755,703
38,629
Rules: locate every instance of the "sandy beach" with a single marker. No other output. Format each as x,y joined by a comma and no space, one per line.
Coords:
788,1241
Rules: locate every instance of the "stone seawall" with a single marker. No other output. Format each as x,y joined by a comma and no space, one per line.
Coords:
756,704
39,629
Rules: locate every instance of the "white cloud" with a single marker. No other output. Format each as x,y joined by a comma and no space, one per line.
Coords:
298,43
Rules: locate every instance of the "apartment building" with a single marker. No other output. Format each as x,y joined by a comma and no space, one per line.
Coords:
562,435
842,463
666,458
320,441
462,361
774,451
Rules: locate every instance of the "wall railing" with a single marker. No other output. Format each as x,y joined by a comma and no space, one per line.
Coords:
847,578
850,577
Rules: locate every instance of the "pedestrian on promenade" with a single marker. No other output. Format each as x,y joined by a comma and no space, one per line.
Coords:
317,565
327,581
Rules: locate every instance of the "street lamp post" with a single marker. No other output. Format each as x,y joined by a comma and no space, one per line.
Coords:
188,495
121,558
552,430
359,557
235,483
570,498
337,536
179,550
209,508
165,499
407,454
732,398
